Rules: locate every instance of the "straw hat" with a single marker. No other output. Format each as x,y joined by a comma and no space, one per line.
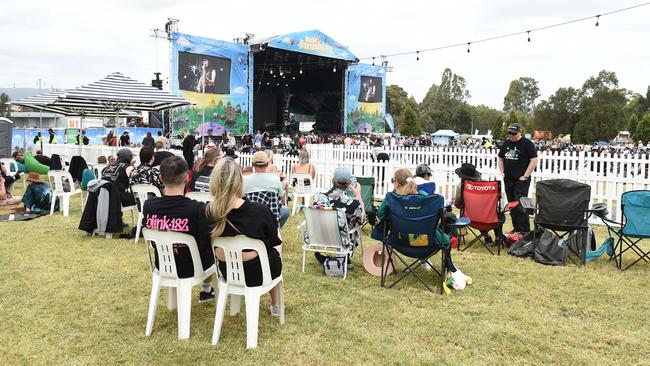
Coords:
34,178
372,260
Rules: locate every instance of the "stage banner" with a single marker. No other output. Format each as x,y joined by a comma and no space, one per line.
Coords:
313,42
26,136
213,75
136,134
365,99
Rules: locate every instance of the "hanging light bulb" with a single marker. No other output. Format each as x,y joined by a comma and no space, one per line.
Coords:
373,61
597,20
271,71
281,72
418,56
468,43
300,70
294,78
221,69
334,68
528,36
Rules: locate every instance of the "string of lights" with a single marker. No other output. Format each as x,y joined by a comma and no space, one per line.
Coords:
527,32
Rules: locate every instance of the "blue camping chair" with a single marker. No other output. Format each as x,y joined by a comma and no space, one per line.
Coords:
635,227
407,220
428,188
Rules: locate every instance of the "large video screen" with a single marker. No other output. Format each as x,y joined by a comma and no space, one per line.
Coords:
196,72
370,91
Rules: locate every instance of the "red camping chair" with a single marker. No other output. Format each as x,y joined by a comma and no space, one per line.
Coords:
481,203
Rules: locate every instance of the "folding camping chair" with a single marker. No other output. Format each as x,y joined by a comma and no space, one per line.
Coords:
428,188
367,185
635,226
407,220
562,206
481,203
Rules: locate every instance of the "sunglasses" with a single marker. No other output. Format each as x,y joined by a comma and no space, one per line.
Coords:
392,180
512,133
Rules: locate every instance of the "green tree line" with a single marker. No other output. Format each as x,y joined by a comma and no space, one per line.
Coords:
598,110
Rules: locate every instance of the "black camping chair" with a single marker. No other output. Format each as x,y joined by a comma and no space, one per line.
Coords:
562,206
406,219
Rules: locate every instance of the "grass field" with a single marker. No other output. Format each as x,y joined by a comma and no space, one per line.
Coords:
66,298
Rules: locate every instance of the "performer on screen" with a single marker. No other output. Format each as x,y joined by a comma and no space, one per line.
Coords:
208,77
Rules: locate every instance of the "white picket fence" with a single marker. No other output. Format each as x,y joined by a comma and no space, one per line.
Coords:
608,175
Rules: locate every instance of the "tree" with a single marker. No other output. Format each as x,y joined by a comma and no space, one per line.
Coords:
410,126
5,109
643,129
632,124
397,100
498,131
484,117
601,116
444,103
521,96
558,114
606,80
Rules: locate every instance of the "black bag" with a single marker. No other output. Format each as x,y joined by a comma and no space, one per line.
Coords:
524,246
550,249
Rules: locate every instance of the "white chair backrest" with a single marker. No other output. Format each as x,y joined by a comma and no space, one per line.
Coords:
232,247
199,196
11,166
164,242
57,177
300,179
323,227
142,191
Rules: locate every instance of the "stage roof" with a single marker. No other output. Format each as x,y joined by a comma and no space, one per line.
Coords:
312,42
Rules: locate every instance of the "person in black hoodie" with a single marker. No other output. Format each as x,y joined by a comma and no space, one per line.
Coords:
118,173
201,177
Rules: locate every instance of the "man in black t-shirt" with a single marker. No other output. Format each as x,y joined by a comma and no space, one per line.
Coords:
175,212
125,140
517,161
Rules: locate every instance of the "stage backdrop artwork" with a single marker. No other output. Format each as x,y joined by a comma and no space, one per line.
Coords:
365,99
213,75
313,42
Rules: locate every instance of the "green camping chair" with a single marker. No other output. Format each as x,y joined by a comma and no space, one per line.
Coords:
368,196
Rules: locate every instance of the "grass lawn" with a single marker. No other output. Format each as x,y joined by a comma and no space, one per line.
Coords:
66,298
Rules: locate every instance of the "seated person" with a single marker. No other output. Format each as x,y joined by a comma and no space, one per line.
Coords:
45,160
38,195
231,216
405,185
173,205
423,174
118,173
145,173
201,177
337,197
272,168
160,154
262,180
303,166
102,160
18,156
6,183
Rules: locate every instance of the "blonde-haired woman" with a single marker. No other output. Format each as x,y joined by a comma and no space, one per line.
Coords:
233,216
405,185
304,166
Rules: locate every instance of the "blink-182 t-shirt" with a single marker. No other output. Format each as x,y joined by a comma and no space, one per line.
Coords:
516,157
183,215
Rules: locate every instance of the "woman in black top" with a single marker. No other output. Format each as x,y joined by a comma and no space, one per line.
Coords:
118,173
201,177
233,216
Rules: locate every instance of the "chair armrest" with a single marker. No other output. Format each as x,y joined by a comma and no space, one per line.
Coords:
459,223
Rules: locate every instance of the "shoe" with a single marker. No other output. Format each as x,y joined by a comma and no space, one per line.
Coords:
488,240
206,296
320,258
275,310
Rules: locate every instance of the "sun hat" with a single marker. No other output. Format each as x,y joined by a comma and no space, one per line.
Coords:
34,178
468,171
259,158
372,260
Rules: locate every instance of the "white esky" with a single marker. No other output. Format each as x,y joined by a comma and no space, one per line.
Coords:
70,43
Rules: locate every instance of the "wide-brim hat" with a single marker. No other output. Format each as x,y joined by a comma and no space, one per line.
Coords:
468,171
230,153
34,178
372,260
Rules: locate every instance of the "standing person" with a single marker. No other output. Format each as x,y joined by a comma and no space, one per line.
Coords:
162,139
258,139
189,142
517,160
246,142
125,139
82,139
52,137
38,140
148,140
109,138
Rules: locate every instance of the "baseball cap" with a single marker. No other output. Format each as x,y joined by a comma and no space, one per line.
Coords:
515,127
422,170
342,175
124,153
260,158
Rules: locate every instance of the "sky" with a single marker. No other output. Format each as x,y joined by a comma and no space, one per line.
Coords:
71,43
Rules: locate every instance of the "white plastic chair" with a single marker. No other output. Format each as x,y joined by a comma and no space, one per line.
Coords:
320,226
301,189
235,285
142,192
97,169
180,289
11,168
199,196
56,178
